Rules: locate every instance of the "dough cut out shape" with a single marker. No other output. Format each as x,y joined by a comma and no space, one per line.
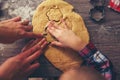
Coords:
54,14
61,58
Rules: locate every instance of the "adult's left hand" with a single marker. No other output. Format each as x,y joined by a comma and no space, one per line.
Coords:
14,29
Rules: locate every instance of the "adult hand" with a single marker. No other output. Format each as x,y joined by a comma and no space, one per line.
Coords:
14,29
65,36
31,43
22,65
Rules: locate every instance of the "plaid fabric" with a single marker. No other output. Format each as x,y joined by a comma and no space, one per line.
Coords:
96,59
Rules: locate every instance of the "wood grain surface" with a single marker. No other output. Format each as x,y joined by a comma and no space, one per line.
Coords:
106,35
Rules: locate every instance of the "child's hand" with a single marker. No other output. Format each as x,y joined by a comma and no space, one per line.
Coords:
65,37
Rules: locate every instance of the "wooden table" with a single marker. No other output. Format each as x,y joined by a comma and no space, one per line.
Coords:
106,36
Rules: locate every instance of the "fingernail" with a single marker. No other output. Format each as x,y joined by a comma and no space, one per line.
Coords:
43,38
45,43
46,28
41,41
44,34
49,28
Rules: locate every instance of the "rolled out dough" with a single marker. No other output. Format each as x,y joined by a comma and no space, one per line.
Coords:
61,58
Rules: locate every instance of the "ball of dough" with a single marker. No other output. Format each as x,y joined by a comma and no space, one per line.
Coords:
61,58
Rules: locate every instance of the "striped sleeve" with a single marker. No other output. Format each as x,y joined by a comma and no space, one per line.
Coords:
94,58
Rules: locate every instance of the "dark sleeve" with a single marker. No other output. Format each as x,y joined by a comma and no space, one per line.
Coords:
94,58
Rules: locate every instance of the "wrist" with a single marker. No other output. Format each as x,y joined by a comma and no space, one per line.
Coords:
80,45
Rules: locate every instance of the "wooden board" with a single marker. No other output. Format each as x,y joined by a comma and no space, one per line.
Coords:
106,36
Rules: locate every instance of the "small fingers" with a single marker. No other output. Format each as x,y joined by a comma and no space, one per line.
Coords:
56,43
52,31
64,23
50,23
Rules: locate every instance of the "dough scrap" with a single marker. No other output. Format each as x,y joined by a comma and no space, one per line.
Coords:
61,58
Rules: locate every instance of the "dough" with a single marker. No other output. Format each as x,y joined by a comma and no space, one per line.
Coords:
61,58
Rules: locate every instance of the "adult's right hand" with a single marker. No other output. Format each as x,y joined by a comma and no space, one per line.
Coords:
22,65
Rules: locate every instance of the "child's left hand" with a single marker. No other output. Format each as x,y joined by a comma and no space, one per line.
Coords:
65,37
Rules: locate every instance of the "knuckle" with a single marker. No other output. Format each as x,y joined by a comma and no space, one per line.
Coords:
21,32
33,49
15,60
19,25
19,60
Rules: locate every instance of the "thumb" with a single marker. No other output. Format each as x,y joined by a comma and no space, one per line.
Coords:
56,43
16,19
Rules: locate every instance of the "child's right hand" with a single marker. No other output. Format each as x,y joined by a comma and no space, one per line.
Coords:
65,37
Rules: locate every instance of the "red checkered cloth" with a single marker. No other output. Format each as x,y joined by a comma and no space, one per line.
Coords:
96,59
115,5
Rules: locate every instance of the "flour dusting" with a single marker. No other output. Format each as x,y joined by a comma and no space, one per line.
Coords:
25,12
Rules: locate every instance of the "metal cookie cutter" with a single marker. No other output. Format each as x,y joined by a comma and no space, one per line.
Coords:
97,13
